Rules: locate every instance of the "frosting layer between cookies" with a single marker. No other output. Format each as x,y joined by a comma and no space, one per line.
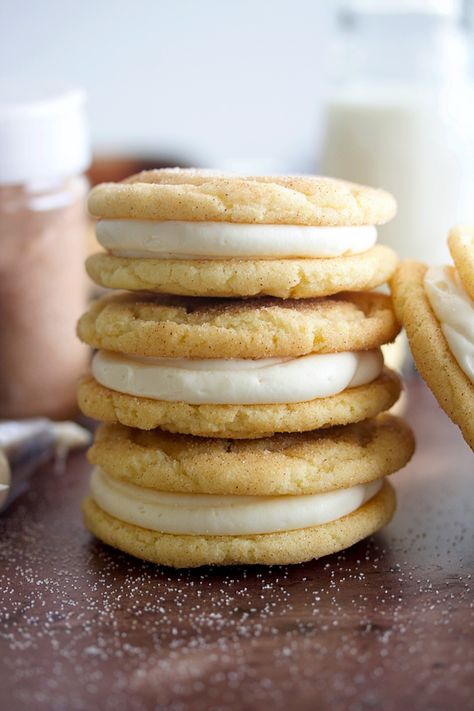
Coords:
174,239
235,381
455,311
216,515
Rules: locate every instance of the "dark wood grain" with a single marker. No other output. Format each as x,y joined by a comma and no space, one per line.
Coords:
385,625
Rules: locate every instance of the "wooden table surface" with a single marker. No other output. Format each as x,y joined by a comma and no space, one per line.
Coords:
385,625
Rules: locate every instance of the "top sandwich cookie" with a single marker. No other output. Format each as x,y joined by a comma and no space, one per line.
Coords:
438,316
201,233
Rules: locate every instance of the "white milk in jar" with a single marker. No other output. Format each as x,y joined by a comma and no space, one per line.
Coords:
401,117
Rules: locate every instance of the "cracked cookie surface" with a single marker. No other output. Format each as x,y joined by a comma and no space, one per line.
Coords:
203,195
299,463
180,327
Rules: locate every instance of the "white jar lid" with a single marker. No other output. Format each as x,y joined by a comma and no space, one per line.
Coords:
43,134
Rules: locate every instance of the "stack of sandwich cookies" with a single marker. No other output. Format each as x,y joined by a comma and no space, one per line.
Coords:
436,306
240,370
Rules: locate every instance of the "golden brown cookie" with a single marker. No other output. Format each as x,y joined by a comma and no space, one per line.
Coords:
461,246
180,327
299,463
283,278
268,549
433,358
203,195
238,421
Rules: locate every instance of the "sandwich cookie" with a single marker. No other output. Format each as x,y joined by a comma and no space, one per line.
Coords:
238,369
200,233
438,315
187,502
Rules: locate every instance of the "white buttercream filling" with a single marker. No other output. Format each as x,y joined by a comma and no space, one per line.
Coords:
213,240
237,382
214,515
454,309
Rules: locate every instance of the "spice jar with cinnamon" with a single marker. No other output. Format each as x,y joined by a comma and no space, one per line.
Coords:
44,151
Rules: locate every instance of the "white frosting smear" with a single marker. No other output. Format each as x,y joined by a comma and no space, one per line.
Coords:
5,478
214,240
455,311
214,515
237,382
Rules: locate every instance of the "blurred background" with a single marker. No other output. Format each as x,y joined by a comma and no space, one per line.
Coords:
209,82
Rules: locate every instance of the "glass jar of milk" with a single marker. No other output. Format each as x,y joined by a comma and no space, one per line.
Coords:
401,117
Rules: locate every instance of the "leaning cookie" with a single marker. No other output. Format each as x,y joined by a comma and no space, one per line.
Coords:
199,233
438,316
461,246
